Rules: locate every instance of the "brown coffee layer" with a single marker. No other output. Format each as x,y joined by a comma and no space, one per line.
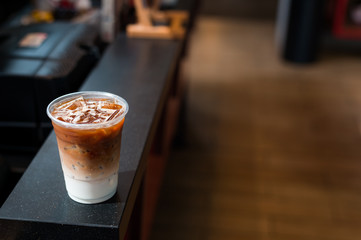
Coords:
89,154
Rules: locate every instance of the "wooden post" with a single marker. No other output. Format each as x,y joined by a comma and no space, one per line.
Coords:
144,28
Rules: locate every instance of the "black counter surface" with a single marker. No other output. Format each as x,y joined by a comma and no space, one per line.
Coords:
138,70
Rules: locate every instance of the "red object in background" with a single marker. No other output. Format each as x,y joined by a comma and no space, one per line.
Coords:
66,4
341,28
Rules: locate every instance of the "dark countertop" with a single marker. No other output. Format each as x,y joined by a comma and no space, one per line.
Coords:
138,70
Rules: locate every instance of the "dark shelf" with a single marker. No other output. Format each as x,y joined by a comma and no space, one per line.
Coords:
38,208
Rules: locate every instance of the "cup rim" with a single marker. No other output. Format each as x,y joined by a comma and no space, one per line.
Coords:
74,95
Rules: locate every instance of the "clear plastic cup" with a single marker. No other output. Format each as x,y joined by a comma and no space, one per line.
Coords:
89,152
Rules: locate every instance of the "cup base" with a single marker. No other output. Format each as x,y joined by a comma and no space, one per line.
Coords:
92,201
90,192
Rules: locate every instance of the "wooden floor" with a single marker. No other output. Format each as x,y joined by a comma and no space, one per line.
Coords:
272,150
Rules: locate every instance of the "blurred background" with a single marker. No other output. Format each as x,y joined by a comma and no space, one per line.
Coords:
271,148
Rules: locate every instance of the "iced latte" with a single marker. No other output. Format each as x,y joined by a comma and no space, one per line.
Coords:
88,128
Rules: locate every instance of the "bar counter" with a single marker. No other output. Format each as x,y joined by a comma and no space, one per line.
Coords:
142,72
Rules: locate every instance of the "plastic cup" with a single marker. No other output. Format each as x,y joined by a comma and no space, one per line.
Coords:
89,152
